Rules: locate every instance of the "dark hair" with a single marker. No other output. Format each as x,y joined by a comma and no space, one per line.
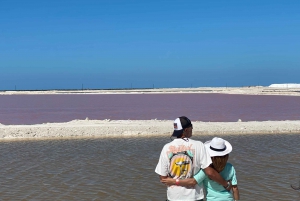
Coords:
186,123
219,162
180,136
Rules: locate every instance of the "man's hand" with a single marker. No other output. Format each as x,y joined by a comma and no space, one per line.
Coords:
188,183
229,186
168,181
162,177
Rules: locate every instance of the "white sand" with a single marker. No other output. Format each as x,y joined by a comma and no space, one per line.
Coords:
141,128
251,90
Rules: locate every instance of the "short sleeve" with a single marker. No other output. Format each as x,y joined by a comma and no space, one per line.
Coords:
234,180
162,165
205,158
200,176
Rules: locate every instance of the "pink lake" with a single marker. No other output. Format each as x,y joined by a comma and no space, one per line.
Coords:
34,109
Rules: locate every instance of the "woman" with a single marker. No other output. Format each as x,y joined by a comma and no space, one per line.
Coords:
218,150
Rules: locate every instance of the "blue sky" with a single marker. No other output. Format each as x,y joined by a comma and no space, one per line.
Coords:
121,44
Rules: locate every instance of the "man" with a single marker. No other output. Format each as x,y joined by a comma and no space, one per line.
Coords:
183,158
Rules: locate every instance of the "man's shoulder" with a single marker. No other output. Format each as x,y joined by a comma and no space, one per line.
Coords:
169,144
196,142
178,142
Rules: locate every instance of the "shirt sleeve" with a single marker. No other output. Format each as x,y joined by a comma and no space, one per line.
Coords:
162,165
205,157
200,176
234,180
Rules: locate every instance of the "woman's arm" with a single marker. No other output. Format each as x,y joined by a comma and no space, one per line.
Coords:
236,194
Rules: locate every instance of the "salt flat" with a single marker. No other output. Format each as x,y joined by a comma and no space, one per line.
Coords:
141,128
247,90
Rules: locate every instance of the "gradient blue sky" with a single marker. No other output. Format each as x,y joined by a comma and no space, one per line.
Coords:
121,44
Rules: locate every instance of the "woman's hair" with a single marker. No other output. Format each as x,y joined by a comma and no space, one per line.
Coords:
219,162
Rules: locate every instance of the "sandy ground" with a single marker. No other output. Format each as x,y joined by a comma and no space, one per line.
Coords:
141,128
250,90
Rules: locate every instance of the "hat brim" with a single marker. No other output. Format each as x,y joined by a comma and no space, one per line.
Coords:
177,133
213,153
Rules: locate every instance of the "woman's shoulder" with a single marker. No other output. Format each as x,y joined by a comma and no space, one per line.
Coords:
229,167
228,172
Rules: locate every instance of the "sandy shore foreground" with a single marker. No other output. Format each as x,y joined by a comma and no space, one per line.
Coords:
141,128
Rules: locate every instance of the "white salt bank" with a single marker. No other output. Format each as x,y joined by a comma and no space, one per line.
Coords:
287,85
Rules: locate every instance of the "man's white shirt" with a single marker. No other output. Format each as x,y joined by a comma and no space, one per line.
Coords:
181,159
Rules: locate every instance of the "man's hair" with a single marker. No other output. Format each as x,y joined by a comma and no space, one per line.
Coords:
186,123
180,136
219,162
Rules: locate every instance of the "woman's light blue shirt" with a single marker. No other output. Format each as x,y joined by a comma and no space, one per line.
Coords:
215,191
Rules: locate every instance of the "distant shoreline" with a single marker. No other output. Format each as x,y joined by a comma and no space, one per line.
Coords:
250,90
141,128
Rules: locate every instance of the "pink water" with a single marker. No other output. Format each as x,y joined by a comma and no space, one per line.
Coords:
33,109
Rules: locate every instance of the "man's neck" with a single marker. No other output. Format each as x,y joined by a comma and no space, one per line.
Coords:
185,139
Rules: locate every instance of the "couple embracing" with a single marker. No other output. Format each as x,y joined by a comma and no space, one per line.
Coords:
191,169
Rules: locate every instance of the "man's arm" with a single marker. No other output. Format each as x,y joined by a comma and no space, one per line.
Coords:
162,177
214,175
198,178
162,166
180,182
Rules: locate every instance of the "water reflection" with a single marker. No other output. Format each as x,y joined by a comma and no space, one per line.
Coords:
123,168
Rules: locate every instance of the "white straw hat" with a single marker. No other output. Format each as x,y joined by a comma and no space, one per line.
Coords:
218,147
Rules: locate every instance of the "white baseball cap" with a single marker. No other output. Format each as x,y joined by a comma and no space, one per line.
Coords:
180,124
